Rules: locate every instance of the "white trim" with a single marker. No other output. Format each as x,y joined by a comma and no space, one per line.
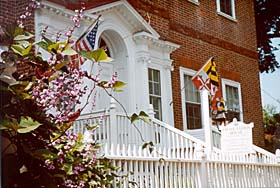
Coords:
61,10
196,2
148,38
238,86
219,12
130,10
166,90
190,72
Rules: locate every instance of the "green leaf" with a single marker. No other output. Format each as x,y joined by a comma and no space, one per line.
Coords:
145,145
118,90
49,42
91,127
28,121
60,65
17,31
134,118
143,116
69,51
23,43
9,124
20,86
102,83
17,49
25,96
27,124
99,55
45,154
119,84
68,168
42,44
107,60
85,54
24,36
53,47
5,124
27,50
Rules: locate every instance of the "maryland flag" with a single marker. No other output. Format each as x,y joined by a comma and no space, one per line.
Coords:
207,78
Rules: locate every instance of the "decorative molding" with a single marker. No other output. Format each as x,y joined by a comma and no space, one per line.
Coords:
143,37
143,59
128,12
60,10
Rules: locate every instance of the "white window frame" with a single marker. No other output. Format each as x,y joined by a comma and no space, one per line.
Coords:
233,17
189,72
158,96
236,85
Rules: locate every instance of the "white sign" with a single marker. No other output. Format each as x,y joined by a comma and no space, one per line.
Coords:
236,137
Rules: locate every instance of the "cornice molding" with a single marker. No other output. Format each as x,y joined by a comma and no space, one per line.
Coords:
60,10
124,9
144,37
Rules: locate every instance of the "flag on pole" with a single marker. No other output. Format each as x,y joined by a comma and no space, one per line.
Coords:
85,42
207,78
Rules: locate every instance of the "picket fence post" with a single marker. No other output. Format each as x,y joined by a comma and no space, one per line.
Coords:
203,172
113,122
277,153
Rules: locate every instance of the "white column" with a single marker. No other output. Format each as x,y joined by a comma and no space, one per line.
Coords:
206,120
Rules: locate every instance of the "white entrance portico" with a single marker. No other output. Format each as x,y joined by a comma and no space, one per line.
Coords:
135,47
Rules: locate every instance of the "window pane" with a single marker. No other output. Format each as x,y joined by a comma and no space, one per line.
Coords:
150,74
155,92
193,116
156,76
232,102
191,93
156,89
156,102
151,88
193,107
225,6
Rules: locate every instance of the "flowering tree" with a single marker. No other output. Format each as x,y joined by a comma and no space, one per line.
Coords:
39,106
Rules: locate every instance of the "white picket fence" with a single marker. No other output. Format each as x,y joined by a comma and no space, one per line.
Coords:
178,160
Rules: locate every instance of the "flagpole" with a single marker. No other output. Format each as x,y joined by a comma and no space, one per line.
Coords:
206,120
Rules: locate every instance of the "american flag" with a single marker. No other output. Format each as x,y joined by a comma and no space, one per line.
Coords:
85,42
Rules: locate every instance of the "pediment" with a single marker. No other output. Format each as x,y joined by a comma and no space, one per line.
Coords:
119,10
128,14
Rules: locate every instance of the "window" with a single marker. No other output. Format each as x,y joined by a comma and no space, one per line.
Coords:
155,92
226,8
192,104
232,95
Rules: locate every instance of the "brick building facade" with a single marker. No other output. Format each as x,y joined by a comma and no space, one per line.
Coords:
202,32
202,29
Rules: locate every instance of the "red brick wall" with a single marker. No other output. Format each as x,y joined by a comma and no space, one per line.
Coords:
10,10
203,33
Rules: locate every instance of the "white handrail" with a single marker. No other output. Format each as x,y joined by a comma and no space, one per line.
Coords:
177,131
